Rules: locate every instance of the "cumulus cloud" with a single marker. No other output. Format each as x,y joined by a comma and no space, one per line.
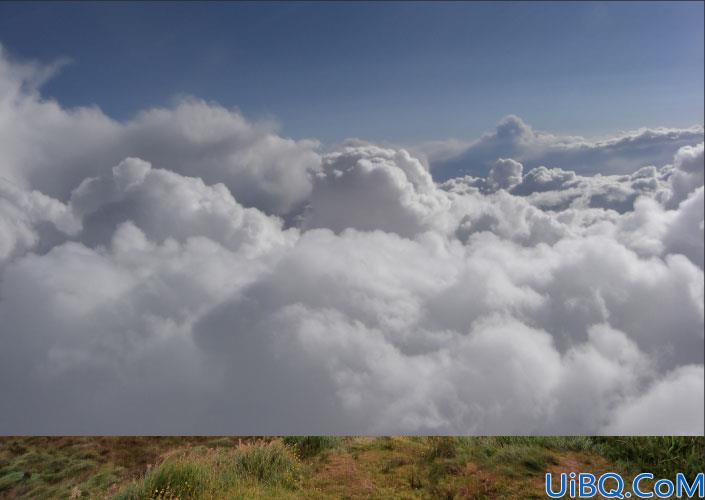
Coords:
687,173
367,187
514,138
670,400
168,205
28,218
53,149
505,174
559,189
190,272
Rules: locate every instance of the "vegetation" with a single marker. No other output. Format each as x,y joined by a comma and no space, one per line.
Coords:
248,469
177,479
322,467
308,446
664,456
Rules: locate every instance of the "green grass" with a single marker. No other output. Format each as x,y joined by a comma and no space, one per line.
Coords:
246,470
522,459
441,447
46,467
11,479
309,446
27,468
664,456
272,463
321,467
181,479
518,455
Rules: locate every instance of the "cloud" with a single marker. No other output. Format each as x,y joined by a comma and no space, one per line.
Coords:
514,138
687,172
195,138
168,205
51,149
188,272
559,189
30,219
505,174
684,234
677,399
367,187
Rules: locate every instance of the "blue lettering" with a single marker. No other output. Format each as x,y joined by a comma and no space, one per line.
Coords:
549,489
614,493
669,488
697,487
587,485
635,485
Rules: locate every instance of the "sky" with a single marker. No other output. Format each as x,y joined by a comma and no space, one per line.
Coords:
471,219
398,72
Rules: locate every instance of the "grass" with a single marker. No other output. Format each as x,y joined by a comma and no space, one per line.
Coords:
266,463
308,446
521,455
57,467
441,447
664,456
180,479
252,469
320,467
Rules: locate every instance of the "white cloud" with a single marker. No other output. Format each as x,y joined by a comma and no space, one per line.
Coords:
168,205
26,216
147,284
688,167
672,406
505,174
685,232
513,138
51,149
367,187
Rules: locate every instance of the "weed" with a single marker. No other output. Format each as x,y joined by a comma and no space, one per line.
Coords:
664,456
179,479
415,482
11,479
308,446
271,463
441,447
323,467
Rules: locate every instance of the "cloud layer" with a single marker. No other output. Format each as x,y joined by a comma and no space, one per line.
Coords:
621,154
188,271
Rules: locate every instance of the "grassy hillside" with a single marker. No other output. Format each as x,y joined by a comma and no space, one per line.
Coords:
322,467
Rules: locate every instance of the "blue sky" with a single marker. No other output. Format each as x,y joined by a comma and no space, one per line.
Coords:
400,72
